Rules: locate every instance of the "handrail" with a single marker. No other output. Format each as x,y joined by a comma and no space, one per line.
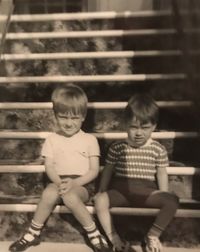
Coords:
128,211
92,33
92,55
92,78
92,15
91,105
10,134
38,168
95,33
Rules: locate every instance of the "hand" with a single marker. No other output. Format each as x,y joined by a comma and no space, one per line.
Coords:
96,196
66,185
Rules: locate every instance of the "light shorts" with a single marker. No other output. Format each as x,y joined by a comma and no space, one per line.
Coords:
90,187
130,191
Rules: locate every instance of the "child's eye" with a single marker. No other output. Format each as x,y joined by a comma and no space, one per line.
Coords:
133,127
75,117
146,127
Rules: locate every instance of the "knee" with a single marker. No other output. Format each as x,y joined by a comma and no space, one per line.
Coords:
101,202
172,200
49,196
71,200
175,200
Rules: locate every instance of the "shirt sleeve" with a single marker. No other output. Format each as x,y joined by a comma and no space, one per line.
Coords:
162,160
47,150
112,154
94,149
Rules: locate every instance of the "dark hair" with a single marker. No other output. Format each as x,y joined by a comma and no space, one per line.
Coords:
143,108
69,99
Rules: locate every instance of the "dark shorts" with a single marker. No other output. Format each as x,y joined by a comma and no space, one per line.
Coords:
129,191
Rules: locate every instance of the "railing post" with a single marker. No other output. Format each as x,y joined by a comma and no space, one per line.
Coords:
6,9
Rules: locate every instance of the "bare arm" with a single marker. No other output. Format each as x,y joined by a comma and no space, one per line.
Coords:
106,177
51,172
162,178
91,174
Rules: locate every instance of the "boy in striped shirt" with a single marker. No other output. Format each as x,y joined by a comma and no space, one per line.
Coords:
137,167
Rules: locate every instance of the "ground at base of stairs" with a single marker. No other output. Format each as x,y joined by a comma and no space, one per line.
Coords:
63,247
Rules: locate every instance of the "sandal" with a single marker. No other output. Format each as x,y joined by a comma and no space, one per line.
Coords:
22,244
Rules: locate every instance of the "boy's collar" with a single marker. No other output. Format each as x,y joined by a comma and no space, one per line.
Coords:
148,142
63,135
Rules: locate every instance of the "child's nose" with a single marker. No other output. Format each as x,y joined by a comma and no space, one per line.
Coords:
68,121
139,131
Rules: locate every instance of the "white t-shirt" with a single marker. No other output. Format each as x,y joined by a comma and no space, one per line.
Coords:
71,154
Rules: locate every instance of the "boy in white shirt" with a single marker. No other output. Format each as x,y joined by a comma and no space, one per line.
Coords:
71,162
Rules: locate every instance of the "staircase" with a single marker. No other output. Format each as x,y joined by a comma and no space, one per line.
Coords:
111,55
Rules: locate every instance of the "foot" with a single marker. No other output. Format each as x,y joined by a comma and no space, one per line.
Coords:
25,242
152,244
117,244
99,244
125,247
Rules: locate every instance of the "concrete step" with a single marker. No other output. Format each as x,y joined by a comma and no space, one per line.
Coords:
63,247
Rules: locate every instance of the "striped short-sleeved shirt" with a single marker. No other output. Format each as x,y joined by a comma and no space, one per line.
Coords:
139,162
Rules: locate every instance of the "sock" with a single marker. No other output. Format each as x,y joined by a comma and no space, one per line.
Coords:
94,234
155,231
34,229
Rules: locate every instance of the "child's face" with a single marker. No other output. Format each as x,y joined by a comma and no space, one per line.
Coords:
139,133
68,123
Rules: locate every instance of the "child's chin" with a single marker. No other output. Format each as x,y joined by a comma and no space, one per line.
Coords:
139,144
67,133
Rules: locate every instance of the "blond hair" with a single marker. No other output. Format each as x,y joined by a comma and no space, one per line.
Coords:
70,99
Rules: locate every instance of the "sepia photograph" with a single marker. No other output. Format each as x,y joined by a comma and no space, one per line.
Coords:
100,125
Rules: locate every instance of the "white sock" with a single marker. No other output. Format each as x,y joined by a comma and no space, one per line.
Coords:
94,234
34,229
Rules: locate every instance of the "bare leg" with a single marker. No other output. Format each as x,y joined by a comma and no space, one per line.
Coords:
31,238
47,203
102,206
74,200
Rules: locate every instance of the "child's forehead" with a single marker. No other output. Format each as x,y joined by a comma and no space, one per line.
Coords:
138,121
